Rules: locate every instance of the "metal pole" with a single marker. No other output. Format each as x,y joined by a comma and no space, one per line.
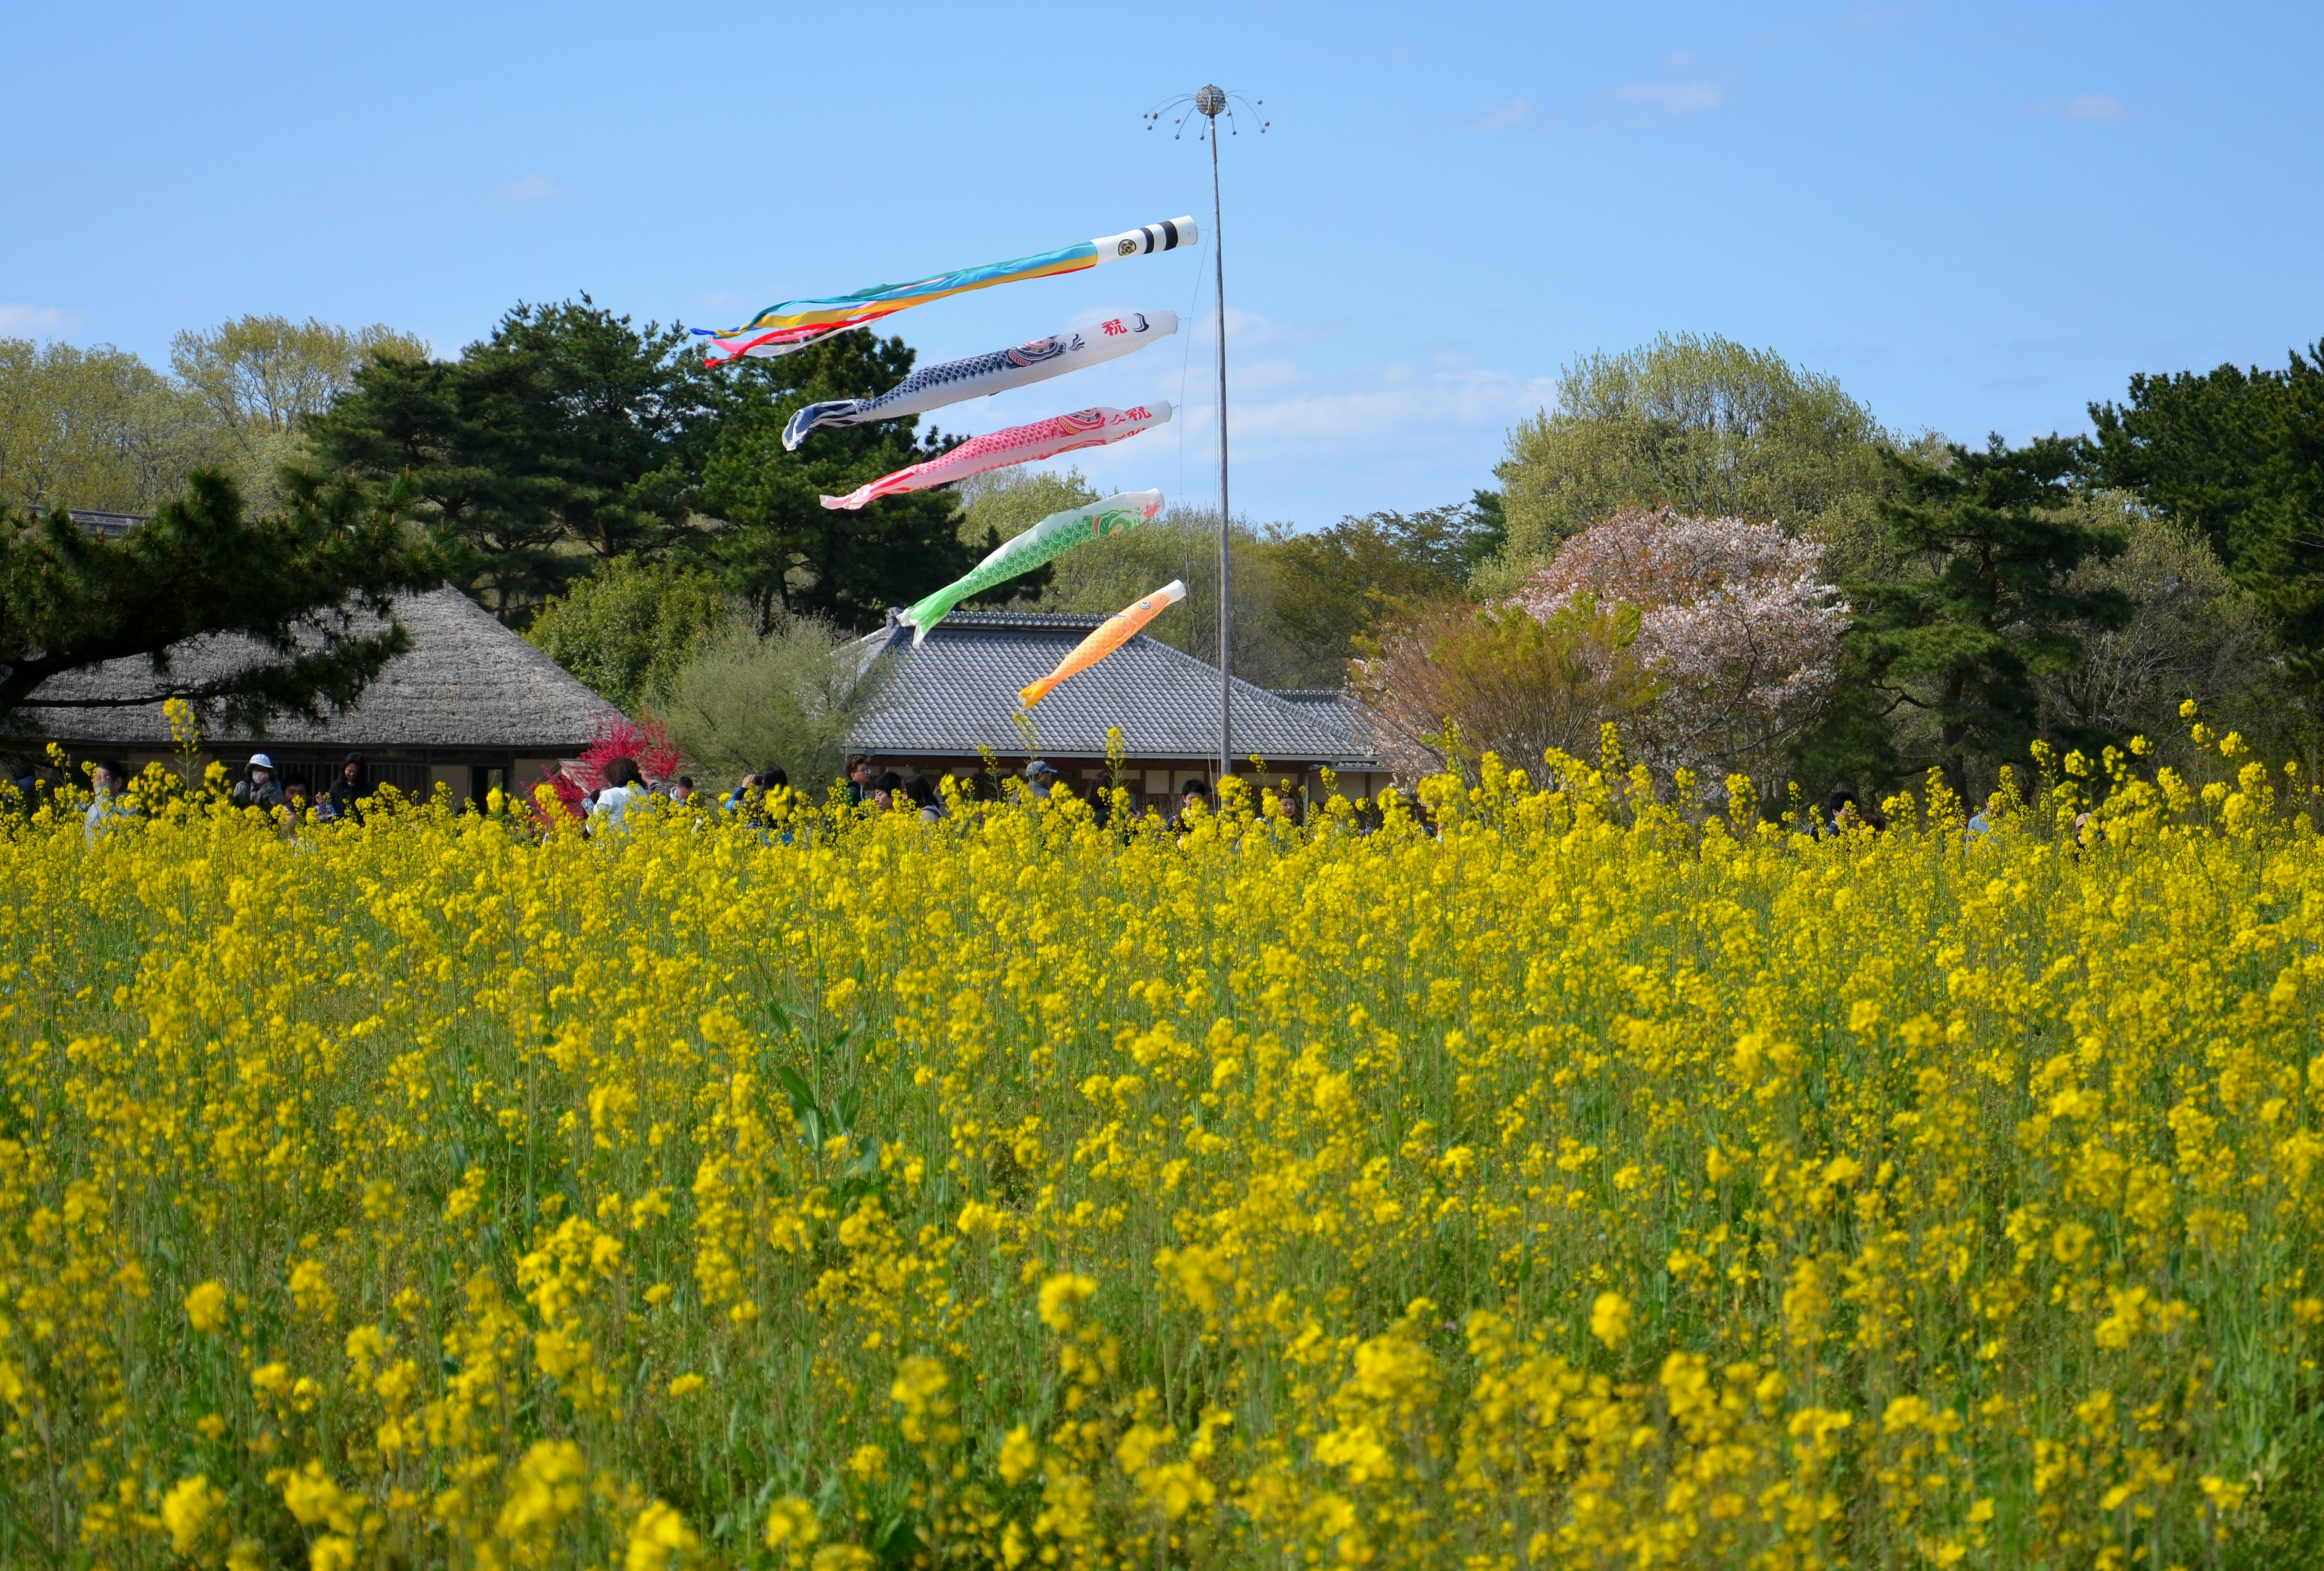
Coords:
1226,597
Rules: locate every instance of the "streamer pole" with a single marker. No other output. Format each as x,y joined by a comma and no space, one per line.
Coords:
1211,101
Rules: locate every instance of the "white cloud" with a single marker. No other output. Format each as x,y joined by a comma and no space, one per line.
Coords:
1515,115
1638,105
527,189
1687,90
1250,331
1506,116
1363,412
22,321
2089,108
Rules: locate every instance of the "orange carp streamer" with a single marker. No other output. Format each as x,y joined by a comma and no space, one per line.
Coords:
1112,633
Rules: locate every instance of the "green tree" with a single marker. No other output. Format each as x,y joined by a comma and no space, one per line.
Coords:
2192,633
746,701
1006,503
2238,456
93,428
260,378
777,544
569,437
304,586
1337,586
1703,425
1993,541
627,628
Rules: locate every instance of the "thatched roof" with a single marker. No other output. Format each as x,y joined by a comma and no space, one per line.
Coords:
465,682
956,693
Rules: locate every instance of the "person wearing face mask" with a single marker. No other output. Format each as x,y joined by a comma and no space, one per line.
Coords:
257,789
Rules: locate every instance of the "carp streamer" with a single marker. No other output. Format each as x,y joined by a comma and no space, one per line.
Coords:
1044,541
796,323
1111,635
1043,438
982,374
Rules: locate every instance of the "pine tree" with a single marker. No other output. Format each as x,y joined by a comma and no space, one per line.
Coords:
1962,640
776,543
569,437
69,598
2239,457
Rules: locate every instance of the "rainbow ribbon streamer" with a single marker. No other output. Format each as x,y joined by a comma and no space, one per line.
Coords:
796,323
1111,635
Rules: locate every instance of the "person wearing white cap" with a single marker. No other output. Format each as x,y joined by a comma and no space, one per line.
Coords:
256,789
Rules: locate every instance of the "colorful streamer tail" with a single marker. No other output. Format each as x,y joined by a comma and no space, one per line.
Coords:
793,325
1112,633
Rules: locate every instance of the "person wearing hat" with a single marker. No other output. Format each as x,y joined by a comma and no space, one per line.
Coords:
256,789
1040,777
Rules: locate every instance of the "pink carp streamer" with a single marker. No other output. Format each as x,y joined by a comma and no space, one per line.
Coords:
1045,439
1112,633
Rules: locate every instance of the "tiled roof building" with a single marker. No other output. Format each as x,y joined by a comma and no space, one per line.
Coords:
954,699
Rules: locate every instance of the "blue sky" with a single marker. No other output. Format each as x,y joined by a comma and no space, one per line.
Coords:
1978,217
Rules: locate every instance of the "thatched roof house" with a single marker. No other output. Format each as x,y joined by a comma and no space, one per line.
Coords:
467,701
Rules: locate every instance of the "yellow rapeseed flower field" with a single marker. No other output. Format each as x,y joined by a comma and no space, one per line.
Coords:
1576,1181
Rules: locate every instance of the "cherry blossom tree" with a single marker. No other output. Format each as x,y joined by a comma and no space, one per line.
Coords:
1738,622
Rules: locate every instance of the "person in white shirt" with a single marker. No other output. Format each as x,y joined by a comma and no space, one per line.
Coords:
109,780
624,785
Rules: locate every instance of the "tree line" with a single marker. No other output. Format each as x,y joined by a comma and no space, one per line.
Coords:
585,477
2070,590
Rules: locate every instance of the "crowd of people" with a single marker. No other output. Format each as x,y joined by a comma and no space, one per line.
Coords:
623,788
260,785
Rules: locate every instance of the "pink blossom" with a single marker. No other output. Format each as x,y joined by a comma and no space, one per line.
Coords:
1738,620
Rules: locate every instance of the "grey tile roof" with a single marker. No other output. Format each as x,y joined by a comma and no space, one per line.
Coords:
1331,707
466,681
957,693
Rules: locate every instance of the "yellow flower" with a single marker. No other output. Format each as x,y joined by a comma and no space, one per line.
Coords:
1610,1319
1061,1295
206,1307
659,1540
686,1385
791,1524
1019,1454
188,1508
316,1500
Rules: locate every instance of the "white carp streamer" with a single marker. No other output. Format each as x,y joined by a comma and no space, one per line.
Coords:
1027,444
1044,541
981,375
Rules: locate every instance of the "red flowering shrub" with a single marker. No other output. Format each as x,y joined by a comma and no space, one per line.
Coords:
618,737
